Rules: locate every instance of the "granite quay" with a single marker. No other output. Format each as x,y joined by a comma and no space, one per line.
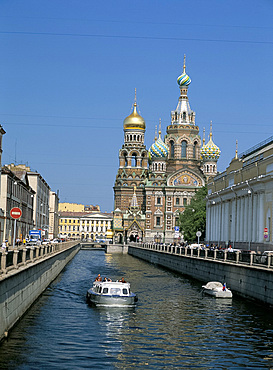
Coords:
246,273
25,274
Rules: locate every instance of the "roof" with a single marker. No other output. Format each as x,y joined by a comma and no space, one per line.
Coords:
90,215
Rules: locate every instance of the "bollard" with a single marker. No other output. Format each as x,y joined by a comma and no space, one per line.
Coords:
191,252
198,252
215,254
268,260
225,255
24,257
42,250
31,254
251,258
15,258
37,252
206,253
237,256
4,261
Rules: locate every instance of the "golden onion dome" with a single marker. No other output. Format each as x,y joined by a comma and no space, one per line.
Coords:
134,121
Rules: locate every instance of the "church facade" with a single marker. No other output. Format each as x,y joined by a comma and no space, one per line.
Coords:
153,186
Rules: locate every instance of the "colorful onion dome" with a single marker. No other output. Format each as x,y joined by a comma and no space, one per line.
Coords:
158,149
134,121
184,79
210,151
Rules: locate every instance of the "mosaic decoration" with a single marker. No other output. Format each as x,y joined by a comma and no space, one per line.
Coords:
185,179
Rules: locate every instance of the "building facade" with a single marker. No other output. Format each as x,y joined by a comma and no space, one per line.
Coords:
2,216
85,225
53,229
74,207
16,192
153,186
240,201
40,198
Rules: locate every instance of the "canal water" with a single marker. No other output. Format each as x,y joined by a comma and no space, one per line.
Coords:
173,326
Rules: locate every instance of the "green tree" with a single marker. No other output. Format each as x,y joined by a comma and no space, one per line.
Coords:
193,218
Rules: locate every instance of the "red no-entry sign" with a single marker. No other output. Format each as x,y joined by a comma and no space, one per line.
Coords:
16,212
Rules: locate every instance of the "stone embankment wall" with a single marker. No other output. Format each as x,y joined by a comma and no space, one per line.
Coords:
243,278
116,248
22,283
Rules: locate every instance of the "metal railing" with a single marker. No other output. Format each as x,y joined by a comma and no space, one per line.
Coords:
250,258
21,257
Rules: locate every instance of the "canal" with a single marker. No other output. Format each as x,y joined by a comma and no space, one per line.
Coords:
173,325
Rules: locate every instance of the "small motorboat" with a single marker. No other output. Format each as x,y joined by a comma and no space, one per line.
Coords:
217,289
111,293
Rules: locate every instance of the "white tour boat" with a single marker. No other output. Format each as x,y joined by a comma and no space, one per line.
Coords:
111,293
217,289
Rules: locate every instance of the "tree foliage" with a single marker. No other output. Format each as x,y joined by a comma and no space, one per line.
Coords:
193,218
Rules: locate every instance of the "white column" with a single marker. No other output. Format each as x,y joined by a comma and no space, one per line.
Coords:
261,218
254,224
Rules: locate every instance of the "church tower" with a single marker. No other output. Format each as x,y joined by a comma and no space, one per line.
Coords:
133,167
210,154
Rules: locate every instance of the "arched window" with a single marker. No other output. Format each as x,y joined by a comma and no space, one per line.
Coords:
134,160
155,166
134,137
184,149
184,116
125,160
172,149
194,150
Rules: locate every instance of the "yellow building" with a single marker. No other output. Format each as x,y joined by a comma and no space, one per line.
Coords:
85,225
71,207
74,207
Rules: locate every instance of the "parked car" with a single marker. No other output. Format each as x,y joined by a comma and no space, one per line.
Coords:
46,241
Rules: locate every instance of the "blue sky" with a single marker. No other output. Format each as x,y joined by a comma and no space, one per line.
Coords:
68,70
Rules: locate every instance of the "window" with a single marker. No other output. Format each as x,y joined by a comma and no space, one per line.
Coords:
105,290
177,201
184,149
125,160
124,291
176,221
158,200
194,150
172,149
184,116
134,160
184,201
157,221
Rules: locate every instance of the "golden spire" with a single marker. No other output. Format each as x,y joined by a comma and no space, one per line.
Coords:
210,134
135,97
159,127
184,66
155,132
236,151
204,136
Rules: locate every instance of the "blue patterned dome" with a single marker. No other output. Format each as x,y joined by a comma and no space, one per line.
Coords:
159,149
183,80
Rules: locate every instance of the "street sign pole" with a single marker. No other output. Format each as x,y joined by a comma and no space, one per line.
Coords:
198,234
15,213
14,234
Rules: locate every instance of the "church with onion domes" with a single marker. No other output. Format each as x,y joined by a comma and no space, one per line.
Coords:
153,186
